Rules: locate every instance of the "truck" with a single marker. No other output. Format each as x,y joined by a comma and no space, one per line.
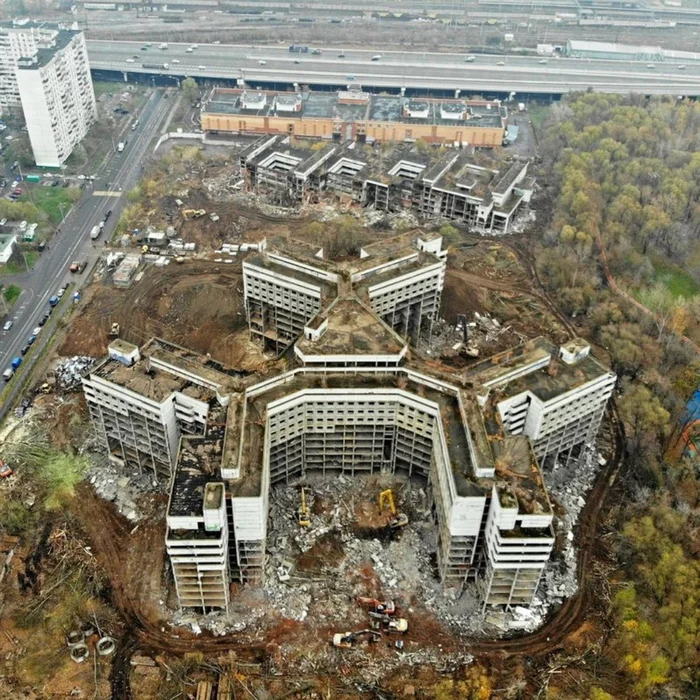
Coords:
78,266
53,301
33,178
295,48
95,232
120,146
16,362
8,374
155,66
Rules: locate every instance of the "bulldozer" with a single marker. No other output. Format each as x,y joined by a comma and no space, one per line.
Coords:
346,640
397,519
194,213
303,512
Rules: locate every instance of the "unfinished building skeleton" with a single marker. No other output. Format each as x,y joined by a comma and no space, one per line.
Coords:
451,186
354,402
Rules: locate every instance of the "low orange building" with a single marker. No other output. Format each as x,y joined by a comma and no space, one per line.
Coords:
355,115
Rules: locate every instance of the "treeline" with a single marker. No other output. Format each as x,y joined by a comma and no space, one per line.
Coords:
624,173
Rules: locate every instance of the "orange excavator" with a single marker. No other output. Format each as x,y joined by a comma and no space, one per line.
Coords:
383,607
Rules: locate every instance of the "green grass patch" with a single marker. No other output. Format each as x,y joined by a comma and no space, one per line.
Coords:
675,278
11,293
50,200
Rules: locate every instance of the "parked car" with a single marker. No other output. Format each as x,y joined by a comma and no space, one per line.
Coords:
31,339
7,326
25,350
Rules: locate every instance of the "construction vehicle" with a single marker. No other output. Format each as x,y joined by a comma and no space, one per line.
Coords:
77,266
383,607
194,213
114,330
5,470
346,640
397,519
391,624
303,513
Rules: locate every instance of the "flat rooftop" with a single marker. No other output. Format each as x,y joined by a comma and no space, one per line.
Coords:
353,330
45,55
383,108
262,260
556,377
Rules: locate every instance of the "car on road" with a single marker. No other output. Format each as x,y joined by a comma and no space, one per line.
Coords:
189,50
36,331
651,66
8,374
297,62
204,67
60,293
196,46
31,339
377,57
261,62
543,60
130,60
470,59
341,55
501,63
144,48
175,60
25,350
681,67
7,326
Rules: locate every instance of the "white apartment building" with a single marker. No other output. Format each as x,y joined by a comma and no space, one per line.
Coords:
55,89
19,38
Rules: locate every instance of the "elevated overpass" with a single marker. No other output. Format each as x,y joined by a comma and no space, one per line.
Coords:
412,71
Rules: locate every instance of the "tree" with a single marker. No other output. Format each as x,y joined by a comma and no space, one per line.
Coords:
190,89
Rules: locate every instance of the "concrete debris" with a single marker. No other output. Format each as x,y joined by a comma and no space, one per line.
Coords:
69,370
126,487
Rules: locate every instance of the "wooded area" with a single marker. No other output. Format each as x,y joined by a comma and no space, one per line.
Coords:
625,184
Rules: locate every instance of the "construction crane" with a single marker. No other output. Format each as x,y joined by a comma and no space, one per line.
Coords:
346,640
303,512
397,519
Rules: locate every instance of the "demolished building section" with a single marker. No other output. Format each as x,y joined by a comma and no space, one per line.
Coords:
451,186
290,282
353,402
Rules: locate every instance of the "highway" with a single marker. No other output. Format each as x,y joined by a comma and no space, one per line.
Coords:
410,70
121,172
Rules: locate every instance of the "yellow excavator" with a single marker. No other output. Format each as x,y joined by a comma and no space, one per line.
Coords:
194,213
303,513
397,519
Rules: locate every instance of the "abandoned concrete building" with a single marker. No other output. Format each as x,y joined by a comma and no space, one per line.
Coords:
451,186
289,284
353,401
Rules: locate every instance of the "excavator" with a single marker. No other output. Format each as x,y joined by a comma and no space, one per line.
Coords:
303,512
383,607
194,213
346,640
397,519
391,624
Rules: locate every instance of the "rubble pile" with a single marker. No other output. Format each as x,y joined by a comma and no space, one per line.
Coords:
124,487
70,370
225,184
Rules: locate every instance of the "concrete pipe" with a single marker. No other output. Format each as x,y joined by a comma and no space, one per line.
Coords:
79,653
74,638
88,629
106,646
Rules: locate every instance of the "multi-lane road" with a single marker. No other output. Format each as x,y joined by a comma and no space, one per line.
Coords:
108,191
410,70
